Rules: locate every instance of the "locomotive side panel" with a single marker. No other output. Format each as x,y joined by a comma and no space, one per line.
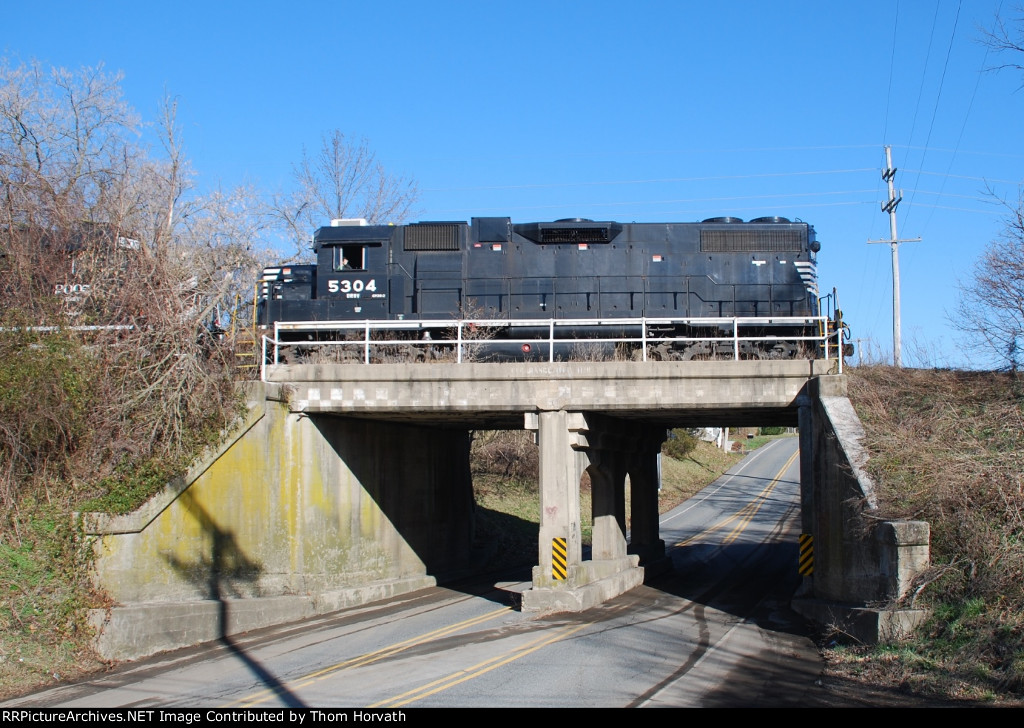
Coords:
567,269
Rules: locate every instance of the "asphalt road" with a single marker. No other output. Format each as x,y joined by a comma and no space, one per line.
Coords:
715,631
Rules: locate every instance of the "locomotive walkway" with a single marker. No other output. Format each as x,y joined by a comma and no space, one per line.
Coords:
350,482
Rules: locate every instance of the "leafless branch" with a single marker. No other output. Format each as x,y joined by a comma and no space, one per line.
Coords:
342,179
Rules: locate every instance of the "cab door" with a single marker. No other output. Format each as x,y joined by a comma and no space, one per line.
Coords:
353,279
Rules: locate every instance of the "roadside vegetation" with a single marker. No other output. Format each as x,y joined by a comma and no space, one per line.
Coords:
123,325
114,273
947,447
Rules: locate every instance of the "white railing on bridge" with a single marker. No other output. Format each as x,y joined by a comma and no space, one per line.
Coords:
466,334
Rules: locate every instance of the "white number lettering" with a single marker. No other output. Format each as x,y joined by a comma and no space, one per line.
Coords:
353,287
69,289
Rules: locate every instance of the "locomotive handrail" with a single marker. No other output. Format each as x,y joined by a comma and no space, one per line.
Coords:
410,324
473,332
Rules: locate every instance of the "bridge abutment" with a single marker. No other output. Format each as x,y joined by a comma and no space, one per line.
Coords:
293,516
863,564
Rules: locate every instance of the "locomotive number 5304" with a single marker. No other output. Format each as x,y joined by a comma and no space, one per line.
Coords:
346,285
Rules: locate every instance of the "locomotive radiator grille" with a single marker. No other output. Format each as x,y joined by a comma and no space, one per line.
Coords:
575,235
752,241
432,237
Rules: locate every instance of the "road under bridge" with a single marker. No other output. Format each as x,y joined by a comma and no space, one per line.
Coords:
350,482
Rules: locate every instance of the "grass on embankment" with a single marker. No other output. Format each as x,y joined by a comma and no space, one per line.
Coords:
946,447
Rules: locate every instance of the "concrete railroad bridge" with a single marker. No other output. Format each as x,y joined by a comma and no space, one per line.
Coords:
349,483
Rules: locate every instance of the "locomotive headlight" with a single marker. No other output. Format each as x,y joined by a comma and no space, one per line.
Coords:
815,246
526,348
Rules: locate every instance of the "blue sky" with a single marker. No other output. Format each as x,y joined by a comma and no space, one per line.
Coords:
641,111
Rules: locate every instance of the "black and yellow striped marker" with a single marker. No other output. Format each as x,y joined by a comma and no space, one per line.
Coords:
558,559
806,567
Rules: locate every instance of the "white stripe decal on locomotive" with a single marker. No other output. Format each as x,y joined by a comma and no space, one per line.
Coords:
808,274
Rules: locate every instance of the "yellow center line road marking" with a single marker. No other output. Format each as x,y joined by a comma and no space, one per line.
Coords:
478,669
728,478
745,514
752,508
370,657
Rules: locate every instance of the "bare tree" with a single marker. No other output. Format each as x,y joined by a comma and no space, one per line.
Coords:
1005,39
991,307
67,141
342,179
86,209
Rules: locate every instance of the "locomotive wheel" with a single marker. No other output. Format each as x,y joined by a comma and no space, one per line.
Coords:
662,352
697,352
782,351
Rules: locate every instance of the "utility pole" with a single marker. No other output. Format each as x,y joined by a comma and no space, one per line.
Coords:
890,206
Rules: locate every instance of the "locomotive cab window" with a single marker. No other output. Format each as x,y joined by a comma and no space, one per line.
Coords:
349,257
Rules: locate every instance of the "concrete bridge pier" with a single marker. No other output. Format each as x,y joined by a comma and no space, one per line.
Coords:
645,483
571,444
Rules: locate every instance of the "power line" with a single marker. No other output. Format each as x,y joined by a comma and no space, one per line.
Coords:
967,115
892,64
964,176
957,150
604,154
606,183
938,95
597,205
924,75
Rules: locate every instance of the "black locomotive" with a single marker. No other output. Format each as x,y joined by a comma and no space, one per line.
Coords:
669,287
